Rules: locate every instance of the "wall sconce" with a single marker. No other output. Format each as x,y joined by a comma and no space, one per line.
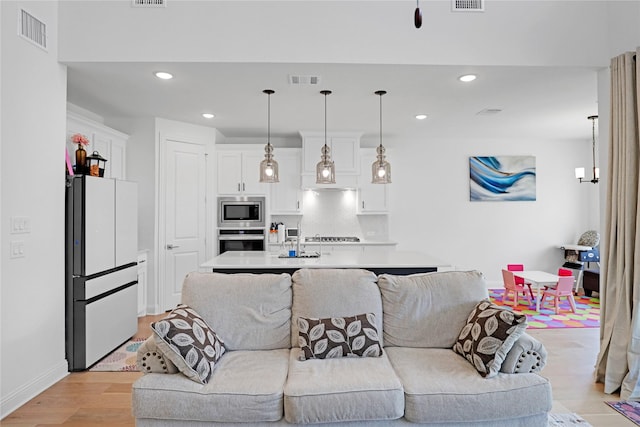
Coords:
596,171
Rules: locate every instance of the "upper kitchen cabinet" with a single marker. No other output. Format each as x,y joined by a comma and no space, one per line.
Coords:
345,148
110,143
285,196
239,170
372,198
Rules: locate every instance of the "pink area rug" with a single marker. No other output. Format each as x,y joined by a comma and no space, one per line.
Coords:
630,409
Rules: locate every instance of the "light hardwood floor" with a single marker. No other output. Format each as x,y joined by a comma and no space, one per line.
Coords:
88,399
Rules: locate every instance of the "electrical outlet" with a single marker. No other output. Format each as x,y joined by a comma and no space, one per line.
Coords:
17,249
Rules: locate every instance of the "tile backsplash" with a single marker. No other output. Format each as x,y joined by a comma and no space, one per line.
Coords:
333,213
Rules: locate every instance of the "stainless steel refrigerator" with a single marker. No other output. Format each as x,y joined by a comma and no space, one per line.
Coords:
101,267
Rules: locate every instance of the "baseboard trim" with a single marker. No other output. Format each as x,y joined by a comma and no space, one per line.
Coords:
28,391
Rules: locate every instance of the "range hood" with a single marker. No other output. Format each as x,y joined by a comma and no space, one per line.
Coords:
343,182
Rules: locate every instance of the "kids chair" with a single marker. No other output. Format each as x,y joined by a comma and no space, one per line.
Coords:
510,286
519,280
564,288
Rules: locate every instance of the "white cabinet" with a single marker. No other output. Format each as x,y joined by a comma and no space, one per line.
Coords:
345,148
286,196
239,171
110,143
372,198
142,283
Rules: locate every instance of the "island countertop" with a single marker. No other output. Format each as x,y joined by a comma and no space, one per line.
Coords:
392,261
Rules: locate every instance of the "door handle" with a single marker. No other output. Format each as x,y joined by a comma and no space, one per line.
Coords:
170,246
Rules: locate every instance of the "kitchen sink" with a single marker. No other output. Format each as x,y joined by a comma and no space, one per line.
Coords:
302,255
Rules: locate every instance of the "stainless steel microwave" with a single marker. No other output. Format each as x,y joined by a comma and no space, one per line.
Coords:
241,211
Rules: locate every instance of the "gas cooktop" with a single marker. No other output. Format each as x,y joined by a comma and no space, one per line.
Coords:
331,239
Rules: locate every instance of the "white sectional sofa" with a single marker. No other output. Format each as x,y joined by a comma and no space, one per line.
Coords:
416,378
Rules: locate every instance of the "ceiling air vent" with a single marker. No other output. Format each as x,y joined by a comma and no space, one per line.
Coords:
467,5
32,29
148,3
304,80
489,112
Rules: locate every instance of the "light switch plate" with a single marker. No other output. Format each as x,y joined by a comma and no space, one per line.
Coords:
17,249
20,224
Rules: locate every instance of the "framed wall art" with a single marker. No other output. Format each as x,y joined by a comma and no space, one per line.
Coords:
502,178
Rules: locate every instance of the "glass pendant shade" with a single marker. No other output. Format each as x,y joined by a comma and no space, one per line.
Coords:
380,169
268,167
326,168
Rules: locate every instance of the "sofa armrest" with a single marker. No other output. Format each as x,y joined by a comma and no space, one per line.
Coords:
527,355
151,360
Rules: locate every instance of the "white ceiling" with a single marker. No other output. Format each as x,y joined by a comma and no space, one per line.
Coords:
536,102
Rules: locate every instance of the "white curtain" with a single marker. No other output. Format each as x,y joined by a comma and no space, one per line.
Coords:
618,365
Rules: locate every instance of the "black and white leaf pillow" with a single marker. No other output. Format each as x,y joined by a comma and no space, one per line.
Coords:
332,337
186,339
488,335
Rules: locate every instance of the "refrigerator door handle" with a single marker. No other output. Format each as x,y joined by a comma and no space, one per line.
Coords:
170,246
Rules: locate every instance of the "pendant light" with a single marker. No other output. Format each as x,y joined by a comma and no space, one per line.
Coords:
326,168
596,171
268,167
380,169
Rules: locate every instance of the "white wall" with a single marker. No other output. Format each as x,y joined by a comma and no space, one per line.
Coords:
431,211
32,185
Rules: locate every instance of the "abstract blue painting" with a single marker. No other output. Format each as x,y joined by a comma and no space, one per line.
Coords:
502,178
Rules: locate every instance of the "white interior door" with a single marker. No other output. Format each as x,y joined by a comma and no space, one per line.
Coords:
184,209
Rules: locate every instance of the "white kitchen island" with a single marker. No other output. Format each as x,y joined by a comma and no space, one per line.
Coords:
392,262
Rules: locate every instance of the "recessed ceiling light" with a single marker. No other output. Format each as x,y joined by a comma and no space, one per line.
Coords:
208,115
421,116
164,75
467,78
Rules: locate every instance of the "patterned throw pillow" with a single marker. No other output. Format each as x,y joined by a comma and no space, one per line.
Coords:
354,336
488,336
186,339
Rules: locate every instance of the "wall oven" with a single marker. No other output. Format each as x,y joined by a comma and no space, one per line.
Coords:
248,239
240,212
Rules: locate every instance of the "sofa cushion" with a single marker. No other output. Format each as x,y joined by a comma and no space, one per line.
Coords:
441,387
343,389
428,309
352,336
321,293
250,311
246,387
188,341
488,335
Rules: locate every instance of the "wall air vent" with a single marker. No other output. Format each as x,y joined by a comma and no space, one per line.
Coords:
489,112
467,5
32,29
148,3
304,80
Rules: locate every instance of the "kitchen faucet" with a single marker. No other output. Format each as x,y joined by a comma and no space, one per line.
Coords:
298,240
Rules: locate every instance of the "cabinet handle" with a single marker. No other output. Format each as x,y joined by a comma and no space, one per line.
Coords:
298,204
243,186
238,186
363,204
